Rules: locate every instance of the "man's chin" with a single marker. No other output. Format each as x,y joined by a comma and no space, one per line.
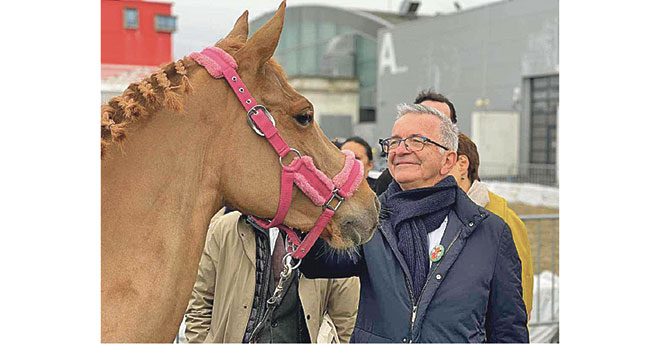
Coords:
405,175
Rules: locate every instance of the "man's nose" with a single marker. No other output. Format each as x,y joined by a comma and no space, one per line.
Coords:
402,149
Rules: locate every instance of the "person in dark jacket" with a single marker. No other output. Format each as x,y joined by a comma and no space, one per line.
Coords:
439,268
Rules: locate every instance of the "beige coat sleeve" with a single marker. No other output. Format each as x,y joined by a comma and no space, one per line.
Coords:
343,301
200,306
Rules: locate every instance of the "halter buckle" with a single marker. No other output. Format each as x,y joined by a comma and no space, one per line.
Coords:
339,200
254,110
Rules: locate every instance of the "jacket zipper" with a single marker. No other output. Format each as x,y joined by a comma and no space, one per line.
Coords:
261,310
416,304
414,310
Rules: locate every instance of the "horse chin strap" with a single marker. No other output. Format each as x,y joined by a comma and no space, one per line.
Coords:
321,190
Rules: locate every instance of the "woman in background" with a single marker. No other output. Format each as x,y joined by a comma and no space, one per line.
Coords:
363,153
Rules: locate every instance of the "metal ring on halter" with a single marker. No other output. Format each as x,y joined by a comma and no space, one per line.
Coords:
254,111
294,150
287,259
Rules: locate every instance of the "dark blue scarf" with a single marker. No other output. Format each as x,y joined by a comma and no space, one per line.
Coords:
415,213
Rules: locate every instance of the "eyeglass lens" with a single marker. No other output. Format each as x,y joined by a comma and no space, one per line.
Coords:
411,143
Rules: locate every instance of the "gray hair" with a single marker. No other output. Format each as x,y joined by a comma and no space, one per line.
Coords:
448,131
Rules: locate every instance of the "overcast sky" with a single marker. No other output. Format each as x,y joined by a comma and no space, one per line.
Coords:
203,22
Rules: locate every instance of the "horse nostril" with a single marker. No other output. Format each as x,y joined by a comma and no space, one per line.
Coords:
350,230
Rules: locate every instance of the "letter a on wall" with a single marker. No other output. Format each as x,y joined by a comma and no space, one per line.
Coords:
387,56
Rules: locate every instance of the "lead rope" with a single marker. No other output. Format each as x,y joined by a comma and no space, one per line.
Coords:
286,277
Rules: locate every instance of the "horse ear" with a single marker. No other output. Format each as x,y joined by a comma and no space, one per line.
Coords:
262,44
240,30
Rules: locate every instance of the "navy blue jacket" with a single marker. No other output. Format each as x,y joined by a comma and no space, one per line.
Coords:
473,294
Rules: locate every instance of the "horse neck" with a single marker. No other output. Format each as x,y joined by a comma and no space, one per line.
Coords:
157,199
161,172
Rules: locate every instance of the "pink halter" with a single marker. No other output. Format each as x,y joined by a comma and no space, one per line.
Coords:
311,181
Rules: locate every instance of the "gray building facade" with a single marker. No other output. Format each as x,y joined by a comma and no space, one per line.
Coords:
498,61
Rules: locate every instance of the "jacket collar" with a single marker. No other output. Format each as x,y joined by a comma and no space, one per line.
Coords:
247,236
469,213
466,211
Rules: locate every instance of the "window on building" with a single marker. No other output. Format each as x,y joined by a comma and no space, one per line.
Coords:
367,115
131,18
165,23
327,30
545,99
308,62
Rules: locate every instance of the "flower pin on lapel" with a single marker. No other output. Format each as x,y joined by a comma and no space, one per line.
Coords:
437,253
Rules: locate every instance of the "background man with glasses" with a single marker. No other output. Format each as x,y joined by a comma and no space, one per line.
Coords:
439,268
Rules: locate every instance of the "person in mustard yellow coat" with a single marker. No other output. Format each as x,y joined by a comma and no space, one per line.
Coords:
466,173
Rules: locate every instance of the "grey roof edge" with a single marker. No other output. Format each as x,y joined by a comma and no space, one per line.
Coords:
373,17
480,7
367,14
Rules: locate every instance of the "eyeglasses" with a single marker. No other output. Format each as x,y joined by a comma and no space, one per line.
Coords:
414,143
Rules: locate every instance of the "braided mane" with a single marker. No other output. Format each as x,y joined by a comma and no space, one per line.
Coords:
161,89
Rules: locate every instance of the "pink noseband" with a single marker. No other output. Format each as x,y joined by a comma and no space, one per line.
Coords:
301,172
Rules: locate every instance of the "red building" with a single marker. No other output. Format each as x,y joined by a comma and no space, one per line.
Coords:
136,32
136,38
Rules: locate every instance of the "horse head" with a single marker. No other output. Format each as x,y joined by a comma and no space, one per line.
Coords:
249,166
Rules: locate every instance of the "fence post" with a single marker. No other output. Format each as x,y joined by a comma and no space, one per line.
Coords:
538,264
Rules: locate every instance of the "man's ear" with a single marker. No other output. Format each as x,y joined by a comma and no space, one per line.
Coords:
450,161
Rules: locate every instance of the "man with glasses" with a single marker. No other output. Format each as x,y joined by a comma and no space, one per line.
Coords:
429,98
439,268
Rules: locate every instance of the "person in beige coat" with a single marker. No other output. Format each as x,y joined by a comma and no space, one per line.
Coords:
235,263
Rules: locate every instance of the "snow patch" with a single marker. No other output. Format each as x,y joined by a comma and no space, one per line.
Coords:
526,193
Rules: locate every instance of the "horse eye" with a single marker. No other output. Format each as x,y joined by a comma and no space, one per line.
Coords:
304,119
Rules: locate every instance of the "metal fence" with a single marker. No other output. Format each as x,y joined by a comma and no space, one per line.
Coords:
543,231
543,174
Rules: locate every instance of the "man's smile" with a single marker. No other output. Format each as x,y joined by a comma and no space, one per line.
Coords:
405,163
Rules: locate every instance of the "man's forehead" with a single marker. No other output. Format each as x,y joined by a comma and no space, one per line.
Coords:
416,124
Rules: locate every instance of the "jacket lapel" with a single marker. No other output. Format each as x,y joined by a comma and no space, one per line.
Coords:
455,230
246,235
463,220
388,233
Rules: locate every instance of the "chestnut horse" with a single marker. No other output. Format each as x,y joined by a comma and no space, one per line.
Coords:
176,147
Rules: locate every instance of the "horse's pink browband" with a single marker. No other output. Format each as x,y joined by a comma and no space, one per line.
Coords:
311,181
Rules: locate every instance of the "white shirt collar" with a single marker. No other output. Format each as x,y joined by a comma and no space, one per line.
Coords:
435,236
